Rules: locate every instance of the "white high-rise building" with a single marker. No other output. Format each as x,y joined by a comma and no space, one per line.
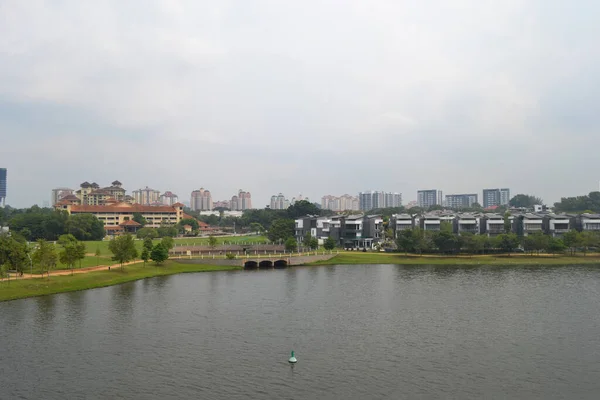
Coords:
146,196
201,200
279,202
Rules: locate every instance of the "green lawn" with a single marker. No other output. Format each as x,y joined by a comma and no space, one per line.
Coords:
16,289
351,257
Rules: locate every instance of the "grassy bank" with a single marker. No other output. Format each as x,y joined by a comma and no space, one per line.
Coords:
350,257
17,289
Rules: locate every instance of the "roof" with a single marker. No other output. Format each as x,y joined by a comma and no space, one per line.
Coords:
115,183
130,223
122,208
178,205
113,228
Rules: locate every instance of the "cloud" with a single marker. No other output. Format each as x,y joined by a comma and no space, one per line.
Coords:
315,97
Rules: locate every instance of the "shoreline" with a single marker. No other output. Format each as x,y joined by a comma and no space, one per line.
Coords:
102,277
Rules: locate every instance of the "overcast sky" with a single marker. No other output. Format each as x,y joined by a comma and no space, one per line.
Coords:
312,97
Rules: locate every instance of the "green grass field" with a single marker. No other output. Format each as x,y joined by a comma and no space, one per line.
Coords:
351,257
16,289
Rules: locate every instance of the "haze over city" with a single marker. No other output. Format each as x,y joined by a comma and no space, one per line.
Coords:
311,97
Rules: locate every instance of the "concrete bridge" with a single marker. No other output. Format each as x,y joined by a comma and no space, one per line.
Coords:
264,262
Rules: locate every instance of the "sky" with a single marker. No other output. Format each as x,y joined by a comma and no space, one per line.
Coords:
300,96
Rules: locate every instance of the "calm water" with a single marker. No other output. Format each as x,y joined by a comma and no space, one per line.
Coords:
359,332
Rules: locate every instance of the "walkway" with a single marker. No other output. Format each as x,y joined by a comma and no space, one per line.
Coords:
68,271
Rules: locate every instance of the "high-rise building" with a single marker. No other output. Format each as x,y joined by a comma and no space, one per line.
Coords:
460,200
279,202
168,198
3,184
342,203
378,199
244,200
146,196
59,193
427,198
201,200
496,197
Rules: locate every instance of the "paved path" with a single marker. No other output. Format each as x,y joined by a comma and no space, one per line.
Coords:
68,271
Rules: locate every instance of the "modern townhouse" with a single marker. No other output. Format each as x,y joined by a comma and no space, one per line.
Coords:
468,223
430,222
587,222
528,223
557,224
400,222
493,224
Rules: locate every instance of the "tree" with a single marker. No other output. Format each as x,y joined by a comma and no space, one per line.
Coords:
588,239
139,218
167,230
159,254
97,254
145,255
72,251
148,245
444,241
314,243
507,242
123,249
256,227
406,240
291,245
540,242
13,253
556,245
147,233
572,239
525,200
306,239
472,243
212,241
590,203
189,221
85,227
281,229
168,242
302,208
329,243
45,256
423,240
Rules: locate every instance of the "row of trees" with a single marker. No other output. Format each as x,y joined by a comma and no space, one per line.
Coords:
44,223
445,242
17,255
589,203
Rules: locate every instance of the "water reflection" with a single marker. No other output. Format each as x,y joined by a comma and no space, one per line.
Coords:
291,283
45,311
122,303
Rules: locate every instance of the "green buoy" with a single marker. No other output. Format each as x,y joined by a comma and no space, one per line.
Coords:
292,359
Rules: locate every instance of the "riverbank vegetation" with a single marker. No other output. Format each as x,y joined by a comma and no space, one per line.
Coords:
22,288
358,257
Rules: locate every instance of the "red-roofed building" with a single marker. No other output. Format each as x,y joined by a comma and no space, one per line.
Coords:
117,214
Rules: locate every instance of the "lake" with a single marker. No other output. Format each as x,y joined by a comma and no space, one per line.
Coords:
359,332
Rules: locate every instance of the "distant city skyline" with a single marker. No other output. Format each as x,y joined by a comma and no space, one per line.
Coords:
505,194
239,94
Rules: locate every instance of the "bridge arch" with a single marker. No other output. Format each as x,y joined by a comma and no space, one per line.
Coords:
265,264
280,264
250,265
